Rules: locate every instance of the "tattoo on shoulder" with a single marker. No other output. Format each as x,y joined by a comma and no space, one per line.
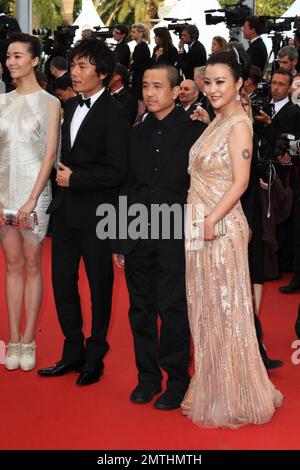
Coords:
246,154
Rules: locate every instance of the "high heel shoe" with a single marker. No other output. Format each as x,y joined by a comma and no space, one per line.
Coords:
12,358
27,356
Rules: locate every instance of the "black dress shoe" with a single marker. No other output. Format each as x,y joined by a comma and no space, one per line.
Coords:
269,363
293,286
88,378
60,368
169,400
144,392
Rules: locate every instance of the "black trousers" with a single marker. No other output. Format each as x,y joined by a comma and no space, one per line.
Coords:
69,245
156,284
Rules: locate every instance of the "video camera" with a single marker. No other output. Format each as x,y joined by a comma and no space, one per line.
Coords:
47,41
66,35
234,15
287,143
177,24
261,101
278,24
103,32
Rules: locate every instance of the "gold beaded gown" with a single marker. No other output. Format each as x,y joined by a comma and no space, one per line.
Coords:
230,387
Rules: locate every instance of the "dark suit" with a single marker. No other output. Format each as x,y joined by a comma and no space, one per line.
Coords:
196,57
155,268
98,159
122,53
286,121
129,102
258,53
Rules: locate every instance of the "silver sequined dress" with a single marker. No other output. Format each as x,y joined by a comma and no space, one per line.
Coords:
27,123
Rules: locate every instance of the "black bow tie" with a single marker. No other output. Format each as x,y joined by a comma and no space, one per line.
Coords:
81,101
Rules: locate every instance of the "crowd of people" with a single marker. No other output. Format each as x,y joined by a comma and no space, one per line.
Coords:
176,129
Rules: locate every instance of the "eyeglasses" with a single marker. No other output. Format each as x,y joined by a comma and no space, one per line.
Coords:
274,83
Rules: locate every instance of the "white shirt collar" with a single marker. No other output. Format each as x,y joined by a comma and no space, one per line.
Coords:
254,39
95,96
117,91
279,104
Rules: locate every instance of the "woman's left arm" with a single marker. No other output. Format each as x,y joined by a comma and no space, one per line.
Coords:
52,140
240,149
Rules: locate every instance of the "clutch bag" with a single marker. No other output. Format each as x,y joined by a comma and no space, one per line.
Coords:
220,228
31,223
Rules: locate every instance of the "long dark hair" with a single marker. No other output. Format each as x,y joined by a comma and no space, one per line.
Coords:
165,37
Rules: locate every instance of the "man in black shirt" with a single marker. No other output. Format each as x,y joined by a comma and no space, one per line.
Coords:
154,261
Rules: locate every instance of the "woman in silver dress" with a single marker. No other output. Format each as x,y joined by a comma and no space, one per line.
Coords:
29,135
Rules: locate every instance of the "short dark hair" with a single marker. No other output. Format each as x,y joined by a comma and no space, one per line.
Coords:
122,28
62,83
192,30
230,59
123,71
284,72
98,53
255,23
33,43
255,74
59,62
172,73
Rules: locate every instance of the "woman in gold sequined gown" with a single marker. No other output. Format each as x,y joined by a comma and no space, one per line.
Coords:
230,386
29,134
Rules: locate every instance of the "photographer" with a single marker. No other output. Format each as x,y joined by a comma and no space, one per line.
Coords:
287,58
284,120
257,50
250,85
122,50
196,56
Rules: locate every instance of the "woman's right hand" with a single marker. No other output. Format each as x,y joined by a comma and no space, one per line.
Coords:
200,114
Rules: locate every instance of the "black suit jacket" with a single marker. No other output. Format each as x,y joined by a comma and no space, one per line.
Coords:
170,184
258,53
286,121
129,102
98,160
196,57
122,53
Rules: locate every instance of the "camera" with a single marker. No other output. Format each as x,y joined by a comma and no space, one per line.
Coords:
177,24
261,101
103,32
65,35
47,41
235,15
287,143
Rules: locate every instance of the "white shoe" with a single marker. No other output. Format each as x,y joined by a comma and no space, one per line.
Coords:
27,356
12,358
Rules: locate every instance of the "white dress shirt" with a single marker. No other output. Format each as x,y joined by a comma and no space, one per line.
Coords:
279,104
79,115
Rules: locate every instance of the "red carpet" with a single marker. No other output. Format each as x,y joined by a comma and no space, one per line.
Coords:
54,413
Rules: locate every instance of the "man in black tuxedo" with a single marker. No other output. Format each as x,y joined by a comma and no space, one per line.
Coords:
196,56
122,50
118,87
285,120
188,96
155,262
94,165
257,50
